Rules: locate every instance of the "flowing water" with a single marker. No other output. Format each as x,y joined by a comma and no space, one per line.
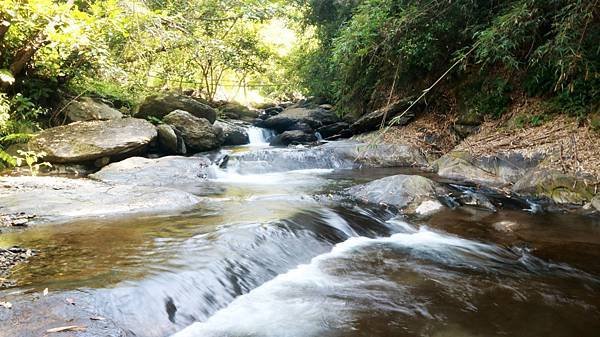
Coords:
272,253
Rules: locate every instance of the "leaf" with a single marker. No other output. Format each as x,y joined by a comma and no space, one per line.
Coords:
67,328
6,76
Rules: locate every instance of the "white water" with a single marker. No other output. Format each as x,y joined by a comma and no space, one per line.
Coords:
259,136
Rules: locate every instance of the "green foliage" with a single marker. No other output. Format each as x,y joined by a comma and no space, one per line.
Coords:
31,159
489,97
367,47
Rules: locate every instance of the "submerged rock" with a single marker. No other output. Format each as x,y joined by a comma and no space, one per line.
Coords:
88,141
233,134
183,173
89,109
293,138
555,185
62,199
406,192
198,133
160,105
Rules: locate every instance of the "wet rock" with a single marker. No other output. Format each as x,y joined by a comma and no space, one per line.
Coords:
336,129
158,106
273,111
555,185
87,141
89,109
373,121
401,191
198,133
182,173
290,118
9,258
32,315
233,134
61,199
293,138
233,110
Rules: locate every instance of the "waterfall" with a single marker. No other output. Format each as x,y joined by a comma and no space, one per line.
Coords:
259,136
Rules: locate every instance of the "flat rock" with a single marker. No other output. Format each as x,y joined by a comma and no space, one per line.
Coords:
88,141
61,199
160,105
401,191
32,315
182,173
198,133
89,109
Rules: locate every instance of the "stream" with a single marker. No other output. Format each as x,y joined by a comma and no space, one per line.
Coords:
273,251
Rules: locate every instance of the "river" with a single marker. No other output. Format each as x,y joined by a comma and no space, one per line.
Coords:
273,251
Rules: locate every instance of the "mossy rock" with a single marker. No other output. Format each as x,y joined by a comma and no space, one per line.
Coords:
560,187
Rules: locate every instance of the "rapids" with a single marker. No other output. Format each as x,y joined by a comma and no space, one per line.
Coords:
275,250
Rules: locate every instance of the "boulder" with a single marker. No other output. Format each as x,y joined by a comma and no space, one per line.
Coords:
233,134
233,110
89,109
382,155
276,110
401,191
88,141
54,199
158,106
335,129
297,118
596,203
374,120
557,186
168,140
293,137
198,133
183,173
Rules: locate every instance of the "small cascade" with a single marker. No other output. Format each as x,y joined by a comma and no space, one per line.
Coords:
259,136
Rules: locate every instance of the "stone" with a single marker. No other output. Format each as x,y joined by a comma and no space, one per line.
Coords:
198,133
183,173
293,137
89,109
87,141
289,118
335,129
233,134
405,192
456,166
234,110
56,199
158,106
382,155
374,120
596,203
168,140
559,187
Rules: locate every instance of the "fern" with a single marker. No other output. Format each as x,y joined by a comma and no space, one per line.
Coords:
16,138
6,159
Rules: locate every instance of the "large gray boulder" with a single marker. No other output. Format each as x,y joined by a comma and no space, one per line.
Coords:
337,130
234,110
54,199
296,118
89,141
371,155
198,133
89,109
183,173
233,134
401,191
160,105
293,137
